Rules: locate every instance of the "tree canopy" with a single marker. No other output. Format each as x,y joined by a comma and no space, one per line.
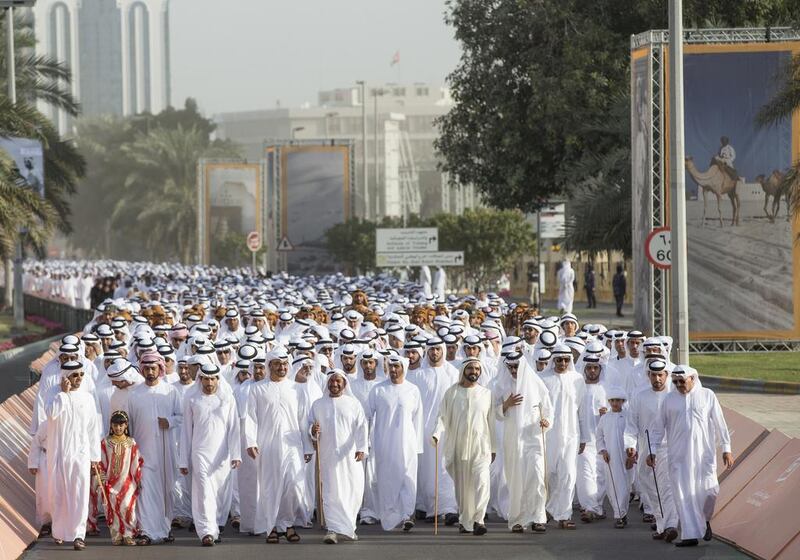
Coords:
534,79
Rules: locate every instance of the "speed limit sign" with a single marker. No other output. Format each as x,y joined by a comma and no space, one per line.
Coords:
658,248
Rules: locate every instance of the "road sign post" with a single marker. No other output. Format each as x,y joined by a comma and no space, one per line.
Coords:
437,258
254,244
658,248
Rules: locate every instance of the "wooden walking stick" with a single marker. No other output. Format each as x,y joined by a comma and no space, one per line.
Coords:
320,508
613,486
436,492
106,500
544,453
655,478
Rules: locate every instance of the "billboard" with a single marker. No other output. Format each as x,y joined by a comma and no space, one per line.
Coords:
232,207
315,184
742,260
641,182
28,158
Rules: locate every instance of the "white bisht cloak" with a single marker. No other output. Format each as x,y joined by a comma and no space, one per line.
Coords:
523,445
276,423
693,425
343,432
157,447
432,383
395,411
73,442
209,442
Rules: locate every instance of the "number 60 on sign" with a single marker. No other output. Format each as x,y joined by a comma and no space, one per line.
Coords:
658,248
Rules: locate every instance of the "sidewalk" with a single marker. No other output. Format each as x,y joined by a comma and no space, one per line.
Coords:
775,412
605,313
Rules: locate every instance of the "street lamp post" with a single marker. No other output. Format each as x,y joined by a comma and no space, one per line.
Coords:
327,128
295,130
363,86
9,5
377,92
679,320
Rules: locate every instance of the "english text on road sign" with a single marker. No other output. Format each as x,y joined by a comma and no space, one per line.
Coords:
406,240
285,245
658,248
439,258
254,241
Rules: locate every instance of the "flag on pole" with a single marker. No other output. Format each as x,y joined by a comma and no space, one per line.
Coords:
395,58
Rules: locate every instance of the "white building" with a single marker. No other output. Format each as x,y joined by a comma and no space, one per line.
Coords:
402,175
117,50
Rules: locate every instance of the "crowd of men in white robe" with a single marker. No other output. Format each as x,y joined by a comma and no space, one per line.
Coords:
347,422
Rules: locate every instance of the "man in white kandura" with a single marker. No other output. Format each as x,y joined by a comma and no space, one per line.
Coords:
466,416
526,412
73,452
340,429
210,448
692,423
394,409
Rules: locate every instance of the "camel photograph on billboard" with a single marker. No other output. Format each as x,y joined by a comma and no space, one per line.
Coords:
742,258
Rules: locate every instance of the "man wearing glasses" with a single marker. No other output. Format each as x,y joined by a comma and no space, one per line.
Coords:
692,422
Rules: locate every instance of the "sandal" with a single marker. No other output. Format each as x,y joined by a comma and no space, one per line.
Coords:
517,528
128,541
539,528
208,540
170,538
566,524
78,544
143,540
236,522
291,535
273,537
587,516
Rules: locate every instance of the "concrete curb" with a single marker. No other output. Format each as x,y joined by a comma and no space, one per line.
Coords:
38,346
750,385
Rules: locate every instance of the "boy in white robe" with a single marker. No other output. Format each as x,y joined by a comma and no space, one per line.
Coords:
610,439
340,430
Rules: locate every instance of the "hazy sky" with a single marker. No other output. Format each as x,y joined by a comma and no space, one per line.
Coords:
234,55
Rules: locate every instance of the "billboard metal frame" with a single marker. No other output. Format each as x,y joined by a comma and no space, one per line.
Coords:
657,42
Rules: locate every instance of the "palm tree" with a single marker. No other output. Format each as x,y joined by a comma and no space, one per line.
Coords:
160,198
38,78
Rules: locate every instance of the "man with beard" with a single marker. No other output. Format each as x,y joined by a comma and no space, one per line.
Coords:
340,429
394,409
155,412
210,445
642,411
692,424
567,390
432,380
413,352
182,509
366,379
276,434
466,415
526,411
591,480
73,451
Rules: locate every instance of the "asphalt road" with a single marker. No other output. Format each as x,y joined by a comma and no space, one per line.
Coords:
596,541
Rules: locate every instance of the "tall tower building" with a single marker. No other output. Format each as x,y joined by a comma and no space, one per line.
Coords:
118,51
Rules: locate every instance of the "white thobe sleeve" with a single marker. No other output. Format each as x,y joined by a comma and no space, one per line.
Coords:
94,431
361,432
658,429
303,414
187,431
419,424
251,422
600,436
35,455
723,435
176,414
234,432
583,428
444,413
632,425
492,428
56,405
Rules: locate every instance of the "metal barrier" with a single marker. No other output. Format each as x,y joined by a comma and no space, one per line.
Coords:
70,318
